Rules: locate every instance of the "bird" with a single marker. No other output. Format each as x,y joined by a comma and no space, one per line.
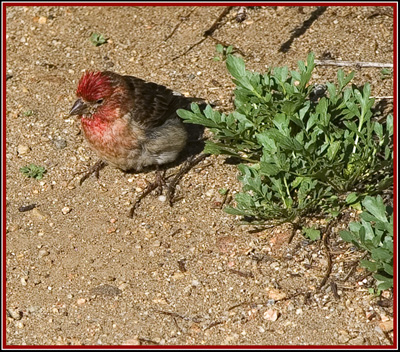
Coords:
130,123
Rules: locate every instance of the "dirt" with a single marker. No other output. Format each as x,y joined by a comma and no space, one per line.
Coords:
81,272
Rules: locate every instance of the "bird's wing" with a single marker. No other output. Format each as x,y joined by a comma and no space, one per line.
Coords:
153,104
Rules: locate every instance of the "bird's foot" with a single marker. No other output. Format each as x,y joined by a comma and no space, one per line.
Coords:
160,182
95,169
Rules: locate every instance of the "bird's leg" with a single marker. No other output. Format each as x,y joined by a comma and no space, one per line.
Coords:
95,169
158,184
186,167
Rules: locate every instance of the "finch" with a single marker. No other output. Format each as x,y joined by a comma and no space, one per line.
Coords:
128,122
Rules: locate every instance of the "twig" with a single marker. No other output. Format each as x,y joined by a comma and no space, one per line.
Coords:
384,97
23,208
328,257
334,290
147,340
217,22
190,48
208,32
351,63
182,18
325,241
296,226
242,273
355,264
215,323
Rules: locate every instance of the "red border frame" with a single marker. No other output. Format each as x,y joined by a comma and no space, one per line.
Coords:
194,3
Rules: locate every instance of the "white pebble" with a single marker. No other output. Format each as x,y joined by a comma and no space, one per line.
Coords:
66,210
22,149
162,198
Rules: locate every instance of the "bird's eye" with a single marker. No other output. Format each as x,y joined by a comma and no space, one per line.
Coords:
99,101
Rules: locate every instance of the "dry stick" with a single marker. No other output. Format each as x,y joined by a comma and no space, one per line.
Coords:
217,23
190,48
183,18
328,256
327,252
351,63
208,32
355,264
384,97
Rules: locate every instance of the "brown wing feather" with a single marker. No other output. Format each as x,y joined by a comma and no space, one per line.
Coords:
153,103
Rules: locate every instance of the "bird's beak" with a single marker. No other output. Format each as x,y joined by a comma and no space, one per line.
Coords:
79,108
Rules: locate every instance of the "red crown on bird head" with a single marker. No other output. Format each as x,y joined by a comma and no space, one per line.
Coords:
94,85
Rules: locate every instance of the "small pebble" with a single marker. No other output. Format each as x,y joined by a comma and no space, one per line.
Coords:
66,210
386,326
134,341
276,295
60,143
23,281
359,340
162,198
81,301
343,337
14,313
210,192
271,315
22,149
43,253
42,20
39,214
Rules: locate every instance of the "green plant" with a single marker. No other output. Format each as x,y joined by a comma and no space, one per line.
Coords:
223,191
312,233
98,39
305,150
33,170
222,52
374,234
28,113
386,73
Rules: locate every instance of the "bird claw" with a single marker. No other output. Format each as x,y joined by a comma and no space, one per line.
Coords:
95,169
160,182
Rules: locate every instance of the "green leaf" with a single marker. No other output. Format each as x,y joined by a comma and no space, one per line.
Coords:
98,39
219,48
352,198
284,141
33,171
376,207
312,233
383,282
381,254
347,236
236,66
371,266
333,149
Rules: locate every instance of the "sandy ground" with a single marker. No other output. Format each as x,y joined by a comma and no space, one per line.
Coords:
80,272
